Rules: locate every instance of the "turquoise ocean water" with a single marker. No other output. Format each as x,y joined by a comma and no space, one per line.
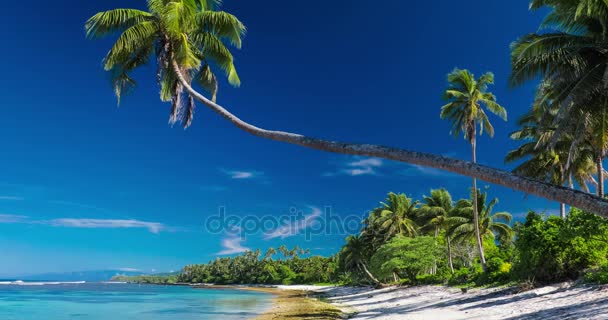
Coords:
113,301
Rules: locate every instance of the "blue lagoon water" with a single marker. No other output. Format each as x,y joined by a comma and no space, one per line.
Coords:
112,301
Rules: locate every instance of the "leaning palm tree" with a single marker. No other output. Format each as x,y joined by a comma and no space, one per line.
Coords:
354,253
186,36
434,214
370,232
491,225
396,216
184,40
466,97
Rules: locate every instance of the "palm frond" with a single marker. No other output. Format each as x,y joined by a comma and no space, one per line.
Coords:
136,38
111,21
222,25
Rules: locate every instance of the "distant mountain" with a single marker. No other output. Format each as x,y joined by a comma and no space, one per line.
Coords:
90,276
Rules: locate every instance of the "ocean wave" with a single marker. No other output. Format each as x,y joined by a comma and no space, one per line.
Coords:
38,283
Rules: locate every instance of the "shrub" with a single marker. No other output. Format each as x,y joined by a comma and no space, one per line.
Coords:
430,279
599,276
287,275
407,257
498,271
553,249
465,276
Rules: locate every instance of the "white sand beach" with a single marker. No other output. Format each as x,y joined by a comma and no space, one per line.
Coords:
562,301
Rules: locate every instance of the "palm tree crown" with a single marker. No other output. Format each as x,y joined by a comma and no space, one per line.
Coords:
188,32
465,96
353,251
354,255
571,54
396,216
434,212
490,224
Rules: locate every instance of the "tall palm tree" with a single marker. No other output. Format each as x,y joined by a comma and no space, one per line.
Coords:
284,251
491,225
466,97
270,253
434,214
596,132
354,253
370,232
396,216
178,44
573,58
558,159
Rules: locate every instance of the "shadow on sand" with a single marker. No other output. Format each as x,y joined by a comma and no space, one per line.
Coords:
543,303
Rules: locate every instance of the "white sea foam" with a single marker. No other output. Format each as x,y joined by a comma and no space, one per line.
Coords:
38,283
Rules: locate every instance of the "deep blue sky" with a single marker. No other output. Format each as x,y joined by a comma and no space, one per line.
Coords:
343,69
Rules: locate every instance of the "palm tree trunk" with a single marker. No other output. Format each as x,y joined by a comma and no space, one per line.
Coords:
546,190
600,176
482,257
369,274
434,271
450,254
562,206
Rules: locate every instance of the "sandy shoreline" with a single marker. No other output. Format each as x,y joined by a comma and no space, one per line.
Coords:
434,302
296,304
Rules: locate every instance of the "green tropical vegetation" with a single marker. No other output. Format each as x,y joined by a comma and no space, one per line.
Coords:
563,142
542,249
148,279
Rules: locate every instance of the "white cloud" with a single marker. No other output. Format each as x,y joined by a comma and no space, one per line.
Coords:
128,270
11,198
416,170
11,218
242,175
359,167
369,162
153,227
292,228
232,245
359,171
